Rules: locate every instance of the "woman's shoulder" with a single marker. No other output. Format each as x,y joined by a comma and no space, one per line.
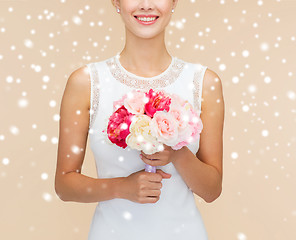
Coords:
76,92
80,78
210,77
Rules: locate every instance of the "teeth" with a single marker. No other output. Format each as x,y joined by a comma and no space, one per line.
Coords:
148,19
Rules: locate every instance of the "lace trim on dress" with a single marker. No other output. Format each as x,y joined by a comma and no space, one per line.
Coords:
197,82
164,79
95,93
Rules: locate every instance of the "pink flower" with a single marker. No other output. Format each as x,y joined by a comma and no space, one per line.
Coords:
196,124
135,102
190,125
180,145
146,120
164,127
158,101
176,98
195,127
118,126
177,109
117,104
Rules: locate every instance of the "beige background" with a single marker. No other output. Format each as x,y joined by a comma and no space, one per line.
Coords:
250,44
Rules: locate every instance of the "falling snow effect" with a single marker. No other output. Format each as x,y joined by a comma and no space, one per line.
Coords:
249,45
127,216
47,197
44,176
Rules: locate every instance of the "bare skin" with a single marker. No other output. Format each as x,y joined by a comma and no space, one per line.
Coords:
70,183
145,55
203,171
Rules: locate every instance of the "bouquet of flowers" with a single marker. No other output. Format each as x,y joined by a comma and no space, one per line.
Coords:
147,120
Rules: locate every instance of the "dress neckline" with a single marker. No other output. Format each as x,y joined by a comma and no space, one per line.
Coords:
167,77
117,56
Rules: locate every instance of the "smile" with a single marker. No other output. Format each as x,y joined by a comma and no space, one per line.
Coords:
146,20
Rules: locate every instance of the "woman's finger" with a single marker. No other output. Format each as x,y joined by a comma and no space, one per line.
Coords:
155,162
152,193
151,156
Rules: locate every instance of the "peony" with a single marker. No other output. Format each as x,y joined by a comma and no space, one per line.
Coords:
180,114
164,127
179,145
140,136
177,99
193,129
135,102
158,101
118,126
148,120
117,104
196,124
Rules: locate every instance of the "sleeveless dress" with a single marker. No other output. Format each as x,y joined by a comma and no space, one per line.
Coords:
175,215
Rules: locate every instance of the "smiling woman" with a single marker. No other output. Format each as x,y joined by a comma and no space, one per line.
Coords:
135,14
146,19
134,204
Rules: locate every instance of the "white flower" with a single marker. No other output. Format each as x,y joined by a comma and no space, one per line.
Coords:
141,137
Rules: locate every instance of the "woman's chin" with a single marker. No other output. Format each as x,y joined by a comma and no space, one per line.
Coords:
147,34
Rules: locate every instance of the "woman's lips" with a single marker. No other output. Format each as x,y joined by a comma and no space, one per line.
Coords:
146,20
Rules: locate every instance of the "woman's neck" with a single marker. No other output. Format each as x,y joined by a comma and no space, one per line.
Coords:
145,56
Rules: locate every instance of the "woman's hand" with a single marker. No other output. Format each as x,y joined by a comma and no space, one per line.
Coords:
159,158
142,187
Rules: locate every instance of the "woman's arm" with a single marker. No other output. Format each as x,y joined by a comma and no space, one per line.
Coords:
70,184
203,172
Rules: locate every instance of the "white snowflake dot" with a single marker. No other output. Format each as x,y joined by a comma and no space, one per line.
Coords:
127,215
9,79
252,88
260,3
77,20
14,130
44,176
246,108
56,117
5,161
264,133
75,149
28,43
241,236
47,197
43,137
22,103
267,79
291,95
264,46
245,53
235,79
52,103
234,155
222,67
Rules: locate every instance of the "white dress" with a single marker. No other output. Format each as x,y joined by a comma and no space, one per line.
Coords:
175,215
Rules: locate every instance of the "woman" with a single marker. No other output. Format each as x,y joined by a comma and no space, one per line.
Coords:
132,203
